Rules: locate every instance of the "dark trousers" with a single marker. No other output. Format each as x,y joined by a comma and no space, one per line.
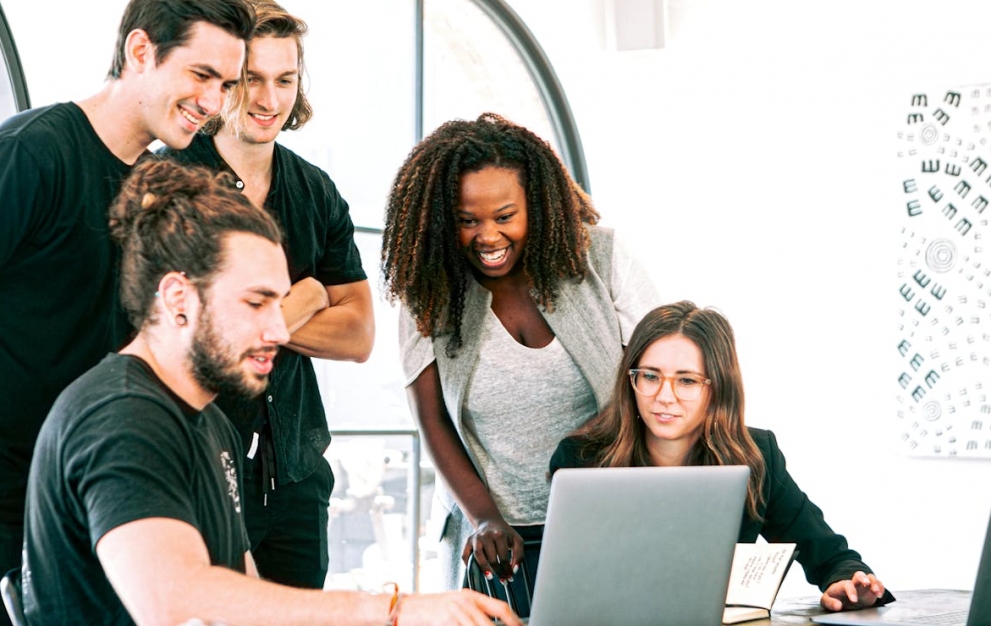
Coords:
288,527
11,544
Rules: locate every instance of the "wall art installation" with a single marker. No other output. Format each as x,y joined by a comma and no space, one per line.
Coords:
944,273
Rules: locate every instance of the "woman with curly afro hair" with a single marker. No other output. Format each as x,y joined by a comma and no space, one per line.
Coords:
515,311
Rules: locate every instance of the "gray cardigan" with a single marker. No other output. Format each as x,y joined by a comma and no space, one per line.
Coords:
584,320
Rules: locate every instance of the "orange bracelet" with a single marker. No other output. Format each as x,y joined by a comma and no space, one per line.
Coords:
393,619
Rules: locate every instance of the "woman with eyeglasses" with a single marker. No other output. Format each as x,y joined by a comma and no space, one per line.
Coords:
678,401
516,308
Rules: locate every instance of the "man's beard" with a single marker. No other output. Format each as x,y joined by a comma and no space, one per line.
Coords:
217,366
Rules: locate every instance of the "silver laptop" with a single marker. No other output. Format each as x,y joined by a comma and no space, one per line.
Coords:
638,546
969,610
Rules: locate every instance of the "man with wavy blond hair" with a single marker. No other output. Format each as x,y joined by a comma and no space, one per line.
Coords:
329,310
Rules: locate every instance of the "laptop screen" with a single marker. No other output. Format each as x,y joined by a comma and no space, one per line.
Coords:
629,545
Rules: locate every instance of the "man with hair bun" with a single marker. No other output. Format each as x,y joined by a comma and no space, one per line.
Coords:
134,510
288,483
60,167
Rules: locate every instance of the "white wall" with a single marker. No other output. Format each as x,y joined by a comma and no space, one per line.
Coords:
748,163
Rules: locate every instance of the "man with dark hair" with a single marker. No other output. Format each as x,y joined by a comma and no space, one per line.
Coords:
169,24
329,310
60,167
134,509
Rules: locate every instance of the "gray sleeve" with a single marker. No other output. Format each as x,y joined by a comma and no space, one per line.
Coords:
415,351
633,291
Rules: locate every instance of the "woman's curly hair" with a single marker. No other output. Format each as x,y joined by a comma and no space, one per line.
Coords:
422,266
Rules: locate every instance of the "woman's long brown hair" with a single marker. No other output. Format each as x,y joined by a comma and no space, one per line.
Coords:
616,437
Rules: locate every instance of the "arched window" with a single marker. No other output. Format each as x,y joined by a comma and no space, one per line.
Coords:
13,89
484,45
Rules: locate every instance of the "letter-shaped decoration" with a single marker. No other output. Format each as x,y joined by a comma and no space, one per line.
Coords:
978,165
963,226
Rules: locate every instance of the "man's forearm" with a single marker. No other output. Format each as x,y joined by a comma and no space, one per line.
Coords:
344,331
226,597
306,298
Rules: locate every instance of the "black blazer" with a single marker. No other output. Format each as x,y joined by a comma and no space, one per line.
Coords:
788,515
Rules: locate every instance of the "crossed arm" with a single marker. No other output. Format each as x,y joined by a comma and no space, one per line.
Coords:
161,570
330,322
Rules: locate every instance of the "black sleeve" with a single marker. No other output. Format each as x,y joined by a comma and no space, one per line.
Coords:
341,261
128,461
792,517
22,189
570,452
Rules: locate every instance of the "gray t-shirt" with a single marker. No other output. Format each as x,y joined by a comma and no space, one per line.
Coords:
519,404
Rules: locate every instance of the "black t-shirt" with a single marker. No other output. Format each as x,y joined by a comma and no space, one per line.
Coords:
58,274
319,243
118,447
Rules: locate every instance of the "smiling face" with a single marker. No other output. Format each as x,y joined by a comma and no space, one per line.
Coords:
672,425
189,86
492,221
273,86
240,325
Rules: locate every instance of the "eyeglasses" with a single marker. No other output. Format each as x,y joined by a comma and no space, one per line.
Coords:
686,387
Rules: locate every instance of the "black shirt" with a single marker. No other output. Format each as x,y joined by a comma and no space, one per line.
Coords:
58,274
118,447
319,243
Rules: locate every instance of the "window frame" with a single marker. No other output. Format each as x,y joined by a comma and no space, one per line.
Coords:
12,61
541,72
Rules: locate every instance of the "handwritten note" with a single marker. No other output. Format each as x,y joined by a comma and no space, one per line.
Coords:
757,573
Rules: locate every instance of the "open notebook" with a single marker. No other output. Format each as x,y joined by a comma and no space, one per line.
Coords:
638,546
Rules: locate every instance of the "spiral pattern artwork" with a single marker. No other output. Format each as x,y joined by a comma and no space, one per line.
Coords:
943,274
929,134
941,255
932,411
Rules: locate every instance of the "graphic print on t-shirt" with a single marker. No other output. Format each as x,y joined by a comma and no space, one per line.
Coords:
230,472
